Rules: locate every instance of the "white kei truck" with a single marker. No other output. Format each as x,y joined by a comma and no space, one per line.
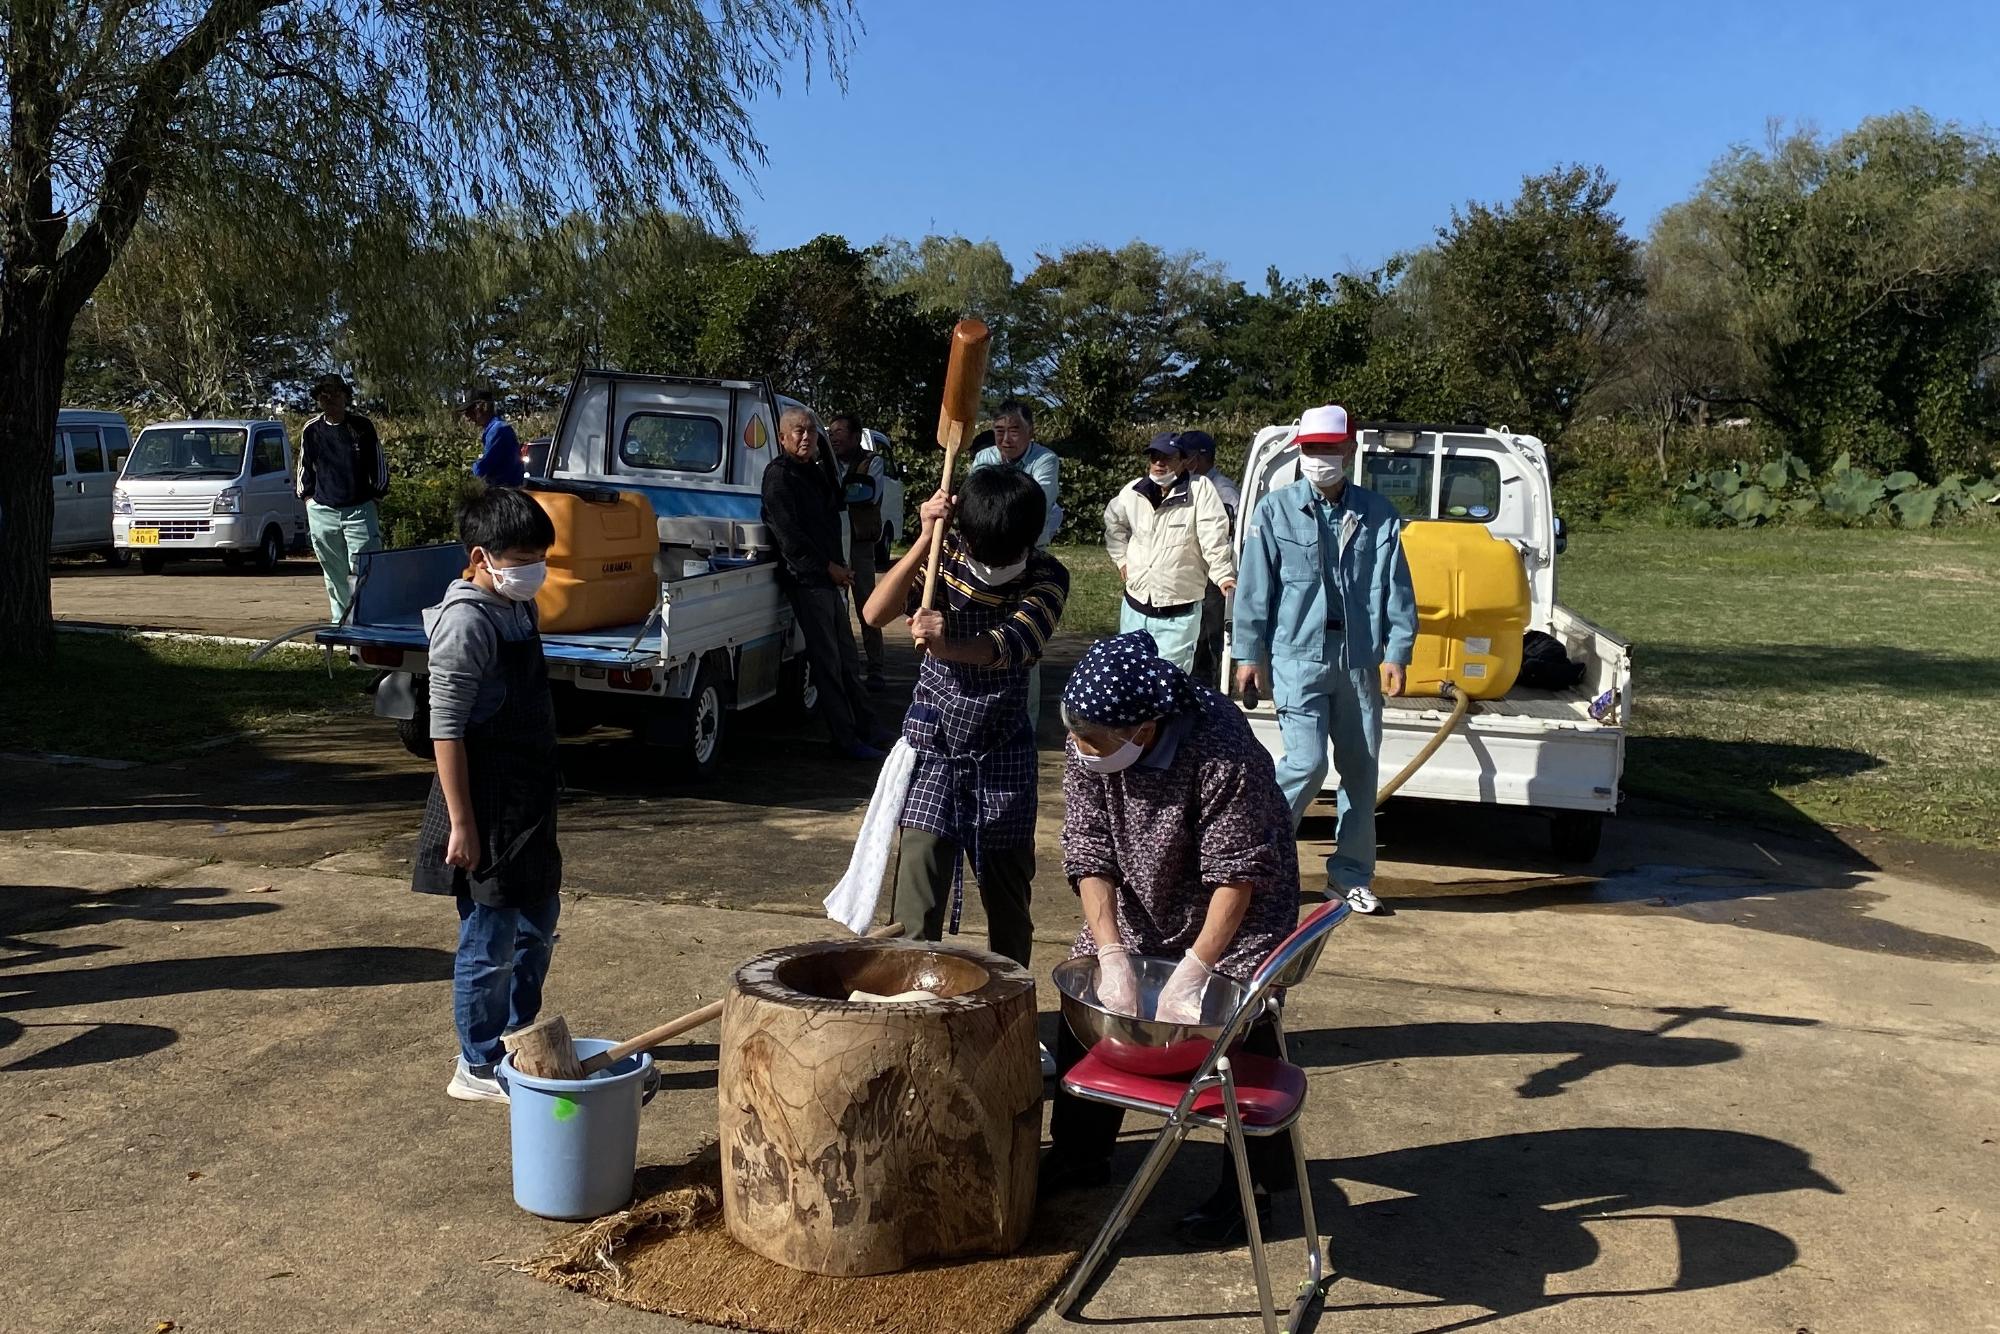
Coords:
1557,752
721,635
211,488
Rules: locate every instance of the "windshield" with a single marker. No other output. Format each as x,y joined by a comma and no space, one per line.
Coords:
187,451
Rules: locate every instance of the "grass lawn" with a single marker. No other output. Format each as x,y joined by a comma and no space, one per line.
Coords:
150,699
1852,677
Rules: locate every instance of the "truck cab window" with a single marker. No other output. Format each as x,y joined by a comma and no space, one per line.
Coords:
671,442
1471,488
1404,480
270,454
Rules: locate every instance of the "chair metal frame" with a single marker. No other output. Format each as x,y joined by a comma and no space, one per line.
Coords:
1286,966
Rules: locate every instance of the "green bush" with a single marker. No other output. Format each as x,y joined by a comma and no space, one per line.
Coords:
1784,490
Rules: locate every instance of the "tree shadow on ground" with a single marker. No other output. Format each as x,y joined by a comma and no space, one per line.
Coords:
1588,1049
26,985
1487,1223
1698,670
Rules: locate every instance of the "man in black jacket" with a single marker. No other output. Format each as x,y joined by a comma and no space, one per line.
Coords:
802,510
342,473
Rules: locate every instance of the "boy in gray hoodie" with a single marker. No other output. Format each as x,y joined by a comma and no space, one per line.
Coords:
489,831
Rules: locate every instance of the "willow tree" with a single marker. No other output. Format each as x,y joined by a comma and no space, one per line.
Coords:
308,116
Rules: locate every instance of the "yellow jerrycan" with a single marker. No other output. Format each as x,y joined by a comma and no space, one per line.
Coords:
601,567
1472,609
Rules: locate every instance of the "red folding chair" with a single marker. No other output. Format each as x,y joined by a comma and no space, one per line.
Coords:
1238,1093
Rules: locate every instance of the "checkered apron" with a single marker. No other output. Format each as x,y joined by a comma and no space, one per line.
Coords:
512,762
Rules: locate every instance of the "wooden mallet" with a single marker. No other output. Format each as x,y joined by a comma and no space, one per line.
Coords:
958,420
545,1050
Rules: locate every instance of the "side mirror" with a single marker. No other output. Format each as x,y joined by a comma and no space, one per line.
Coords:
1562,536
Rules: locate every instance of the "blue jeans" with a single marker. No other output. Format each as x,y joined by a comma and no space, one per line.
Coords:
1316,703
496,980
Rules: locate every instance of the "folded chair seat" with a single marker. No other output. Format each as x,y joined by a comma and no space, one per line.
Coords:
1269,1092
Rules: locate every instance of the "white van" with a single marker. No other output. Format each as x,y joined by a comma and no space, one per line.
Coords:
209,488
89,449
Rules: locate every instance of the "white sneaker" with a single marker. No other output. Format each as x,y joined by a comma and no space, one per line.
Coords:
1048,1063
469,1087
1362,899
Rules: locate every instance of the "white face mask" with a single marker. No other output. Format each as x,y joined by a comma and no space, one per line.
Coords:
1122,758
519,582
995,575
1163,477
1325,470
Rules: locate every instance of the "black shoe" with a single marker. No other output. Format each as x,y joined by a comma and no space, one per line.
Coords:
1218,1224
877,683
1060,1172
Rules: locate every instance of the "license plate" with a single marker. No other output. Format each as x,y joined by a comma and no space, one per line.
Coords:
143,537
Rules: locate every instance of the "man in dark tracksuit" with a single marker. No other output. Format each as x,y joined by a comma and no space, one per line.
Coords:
342,473
802,509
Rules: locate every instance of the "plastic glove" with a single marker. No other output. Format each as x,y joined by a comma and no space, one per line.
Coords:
1180,999
1117,983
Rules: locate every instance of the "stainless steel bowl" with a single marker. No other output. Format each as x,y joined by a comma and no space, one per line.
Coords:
1143,1046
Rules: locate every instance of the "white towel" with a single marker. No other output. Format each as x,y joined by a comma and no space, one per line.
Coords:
853,900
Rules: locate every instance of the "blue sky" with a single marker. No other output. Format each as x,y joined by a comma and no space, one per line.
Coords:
1319,137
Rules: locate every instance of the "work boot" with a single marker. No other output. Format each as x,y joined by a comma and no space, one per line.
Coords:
476,1083
1218,1223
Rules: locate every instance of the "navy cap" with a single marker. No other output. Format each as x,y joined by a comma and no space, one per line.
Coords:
1166,442
1197,442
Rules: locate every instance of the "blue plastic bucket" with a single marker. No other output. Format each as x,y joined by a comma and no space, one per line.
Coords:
576,1141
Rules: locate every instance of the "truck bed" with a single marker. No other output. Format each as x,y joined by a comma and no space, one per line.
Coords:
1532,747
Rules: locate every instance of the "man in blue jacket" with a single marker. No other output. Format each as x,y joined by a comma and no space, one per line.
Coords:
1325,622
499,462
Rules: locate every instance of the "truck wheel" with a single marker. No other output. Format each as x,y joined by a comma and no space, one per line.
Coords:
415,731
1575,834
576,711
270,551
694,728
152,562
798,691
117,557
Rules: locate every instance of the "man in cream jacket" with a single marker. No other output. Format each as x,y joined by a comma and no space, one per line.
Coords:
1168,534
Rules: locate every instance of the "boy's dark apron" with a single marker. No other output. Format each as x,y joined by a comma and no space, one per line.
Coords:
512,762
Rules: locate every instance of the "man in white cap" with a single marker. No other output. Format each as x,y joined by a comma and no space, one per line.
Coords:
1325,623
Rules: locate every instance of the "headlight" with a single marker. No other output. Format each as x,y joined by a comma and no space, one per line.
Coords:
229,502
121,503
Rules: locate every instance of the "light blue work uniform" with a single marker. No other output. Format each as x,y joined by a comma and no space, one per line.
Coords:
1323,599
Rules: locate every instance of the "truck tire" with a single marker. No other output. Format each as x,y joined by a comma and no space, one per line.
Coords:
694,729
415,731
798,691
117,557
1575,834
151,562
270,550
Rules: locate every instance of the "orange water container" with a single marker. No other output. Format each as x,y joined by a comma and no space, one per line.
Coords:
601,567
1472,608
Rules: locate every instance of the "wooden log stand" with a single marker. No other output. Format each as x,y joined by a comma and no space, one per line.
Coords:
863,1138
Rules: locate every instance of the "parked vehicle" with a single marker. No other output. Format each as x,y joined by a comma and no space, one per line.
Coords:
90,447
1561,752
892,485
721,635
205,489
